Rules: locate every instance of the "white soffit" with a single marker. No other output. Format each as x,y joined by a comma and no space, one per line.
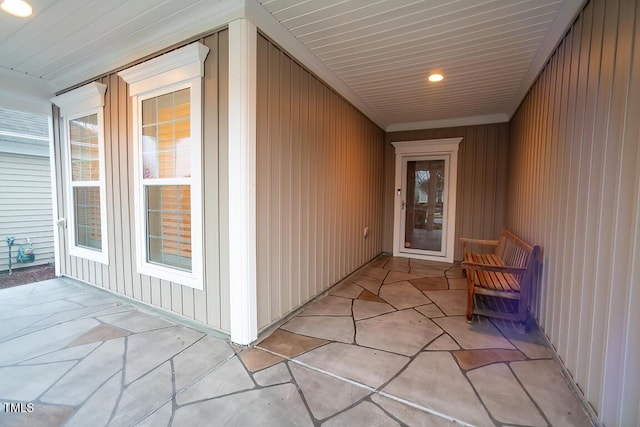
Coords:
490,52
375,53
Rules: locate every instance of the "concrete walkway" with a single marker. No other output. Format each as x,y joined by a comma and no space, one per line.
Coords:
388,346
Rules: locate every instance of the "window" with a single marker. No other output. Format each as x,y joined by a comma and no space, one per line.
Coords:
82,111
167,122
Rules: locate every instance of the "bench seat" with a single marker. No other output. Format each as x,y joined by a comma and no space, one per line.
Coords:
506,272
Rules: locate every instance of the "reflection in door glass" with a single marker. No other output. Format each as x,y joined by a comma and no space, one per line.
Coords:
425,205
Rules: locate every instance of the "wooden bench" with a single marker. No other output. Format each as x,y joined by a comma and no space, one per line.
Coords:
506,272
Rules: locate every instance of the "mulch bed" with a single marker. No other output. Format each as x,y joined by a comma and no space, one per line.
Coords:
26,275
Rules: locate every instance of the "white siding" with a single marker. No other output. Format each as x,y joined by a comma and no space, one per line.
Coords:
574,188
25,207
211,305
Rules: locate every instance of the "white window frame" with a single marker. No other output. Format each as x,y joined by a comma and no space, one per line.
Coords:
179,69
82,102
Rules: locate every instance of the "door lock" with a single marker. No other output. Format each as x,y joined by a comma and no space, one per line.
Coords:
403,204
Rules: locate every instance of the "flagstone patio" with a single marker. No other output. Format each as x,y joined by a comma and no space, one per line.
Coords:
387,346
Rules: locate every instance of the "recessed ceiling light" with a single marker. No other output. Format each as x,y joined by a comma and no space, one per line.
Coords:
17,8
435,77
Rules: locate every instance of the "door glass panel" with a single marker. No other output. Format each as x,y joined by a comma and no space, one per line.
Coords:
424,205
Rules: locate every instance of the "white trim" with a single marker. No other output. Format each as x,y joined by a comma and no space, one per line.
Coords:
242,181
84,101
177,66
445,123
272,28
179,69
57,256
84,98
446,147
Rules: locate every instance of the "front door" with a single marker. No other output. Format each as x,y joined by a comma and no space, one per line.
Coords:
424,206
425,199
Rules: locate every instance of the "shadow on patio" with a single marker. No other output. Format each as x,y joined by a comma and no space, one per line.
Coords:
387,346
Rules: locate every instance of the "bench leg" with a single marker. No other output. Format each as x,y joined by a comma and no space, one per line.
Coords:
470,296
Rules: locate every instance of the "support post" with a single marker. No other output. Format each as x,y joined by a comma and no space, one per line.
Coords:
242,181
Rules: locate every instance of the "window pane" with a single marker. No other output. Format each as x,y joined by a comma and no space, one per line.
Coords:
169,225
166,140
83,133
86,201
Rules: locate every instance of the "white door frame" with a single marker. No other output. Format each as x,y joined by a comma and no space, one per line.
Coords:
405,150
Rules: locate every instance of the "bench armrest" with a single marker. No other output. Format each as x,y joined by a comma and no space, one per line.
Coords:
479,241
496,268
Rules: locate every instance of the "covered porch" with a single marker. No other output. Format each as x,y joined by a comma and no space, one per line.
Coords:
389,345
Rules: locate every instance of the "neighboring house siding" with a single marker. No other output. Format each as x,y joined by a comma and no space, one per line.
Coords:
23,133
319,183
209,306
574,189
25,207
25,186
482,173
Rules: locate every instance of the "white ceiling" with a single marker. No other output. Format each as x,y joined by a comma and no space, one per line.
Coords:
377,53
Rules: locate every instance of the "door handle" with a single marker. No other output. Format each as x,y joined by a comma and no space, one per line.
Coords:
403,204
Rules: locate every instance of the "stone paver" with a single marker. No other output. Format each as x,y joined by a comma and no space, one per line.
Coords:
189,365
471,359
144,396
88,375
27,383
160,417
326,395
375,272
363,309
97,410
404,332
229,378
504,397
40,342
255,359
479,334
346,289
434,380
397,276
84,357
531,343
277,374
544,382
424,284
403,295
410,415
430,310
452,302
135,321
280,405
149,349
329,306
370,296
328,328
363,365
369,283
365,414
443,343
100,333
69,353
289,344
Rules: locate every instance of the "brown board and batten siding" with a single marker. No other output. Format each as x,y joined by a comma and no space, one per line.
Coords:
209,306
574,188
319,184
482,172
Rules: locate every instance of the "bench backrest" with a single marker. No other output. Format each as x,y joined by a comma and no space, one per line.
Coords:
514,251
